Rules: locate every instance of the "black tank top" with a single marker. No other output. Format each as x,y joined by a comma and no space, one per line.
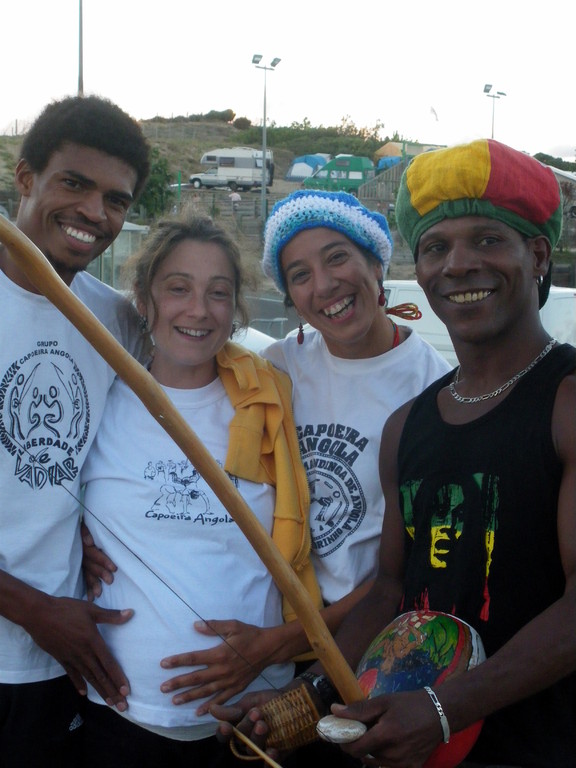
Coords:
480,508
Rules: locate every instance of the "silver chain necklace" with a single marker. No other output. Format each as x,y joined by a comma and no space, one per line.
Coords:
504,387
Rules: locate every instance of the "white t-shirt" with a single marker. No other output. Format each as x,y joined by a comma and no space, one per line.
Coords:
179,553
340,407
53,386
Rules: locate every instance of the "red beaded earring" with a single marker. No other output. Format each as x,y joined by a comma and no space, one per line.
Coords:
300,337
381,296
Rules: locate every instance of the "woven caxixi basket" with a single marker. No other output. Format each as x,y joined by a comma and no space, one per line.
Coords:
292,719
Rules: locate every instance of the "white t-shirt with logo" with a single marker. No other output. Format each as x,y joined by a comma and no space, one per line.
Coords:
180,555
53,387
340,407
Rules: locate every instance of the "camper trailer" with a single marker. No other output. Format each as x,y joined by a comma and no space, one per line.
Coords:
235,168
345,173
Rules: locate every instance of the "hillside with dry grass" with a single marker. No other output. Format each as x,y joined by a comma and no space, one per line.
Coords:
181,143
184,143
9,152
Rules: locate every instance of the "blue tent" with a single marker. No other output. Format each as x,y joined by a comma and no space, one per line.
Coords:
387,162
304,166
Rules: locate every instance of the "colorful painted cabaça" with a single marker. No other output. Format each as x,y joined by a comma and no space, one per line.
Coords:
423,648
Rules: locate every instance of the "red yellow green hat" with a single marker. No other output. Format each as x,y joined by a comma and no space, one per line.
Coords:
483,178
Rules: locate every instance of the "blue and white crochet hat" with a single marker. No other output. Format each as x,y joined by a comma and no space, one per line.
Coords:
310,209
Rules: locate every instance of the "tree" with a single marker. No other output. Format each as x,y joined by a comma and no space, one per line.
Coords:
555,162
242,123
157,196
303,138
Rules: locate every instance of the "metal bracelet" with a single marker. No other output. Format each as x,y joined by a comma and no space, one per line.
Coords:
443,719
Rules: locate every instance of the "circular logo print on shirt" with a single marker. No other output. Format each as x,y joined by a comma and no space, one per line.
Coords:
44,415
337,503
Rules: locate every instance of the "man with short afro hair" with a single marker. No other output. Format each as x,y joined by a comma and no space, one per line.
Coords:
84,162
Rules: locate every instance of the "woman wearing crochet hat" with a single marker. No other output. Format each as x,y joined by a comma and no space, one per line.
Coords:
479,479
350,369
329,255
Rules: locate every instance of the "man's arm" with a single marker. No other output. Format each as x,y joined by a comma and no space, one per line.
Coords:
96,565
228,668
246,650
67,629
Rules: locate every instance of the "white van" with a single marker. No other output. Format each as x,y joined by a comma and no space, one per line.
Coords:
558,315
253,339
234,167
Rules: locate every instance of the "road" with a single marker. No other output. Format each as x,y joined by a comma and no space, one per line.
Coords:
269,315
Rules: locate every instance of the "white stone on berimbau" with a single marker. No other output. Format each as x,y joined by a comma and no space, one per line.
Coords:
340,730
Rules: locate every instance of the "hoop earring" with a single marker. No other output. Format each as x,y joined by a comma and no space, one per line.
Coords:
381,296
300,337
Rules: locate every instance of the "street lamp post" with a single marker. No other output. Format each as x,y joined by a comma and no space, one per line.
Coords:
493,96
80,51
256,59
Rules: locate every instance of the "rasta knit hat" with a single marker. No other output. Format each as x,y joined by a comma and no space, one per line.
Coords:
483,178
311,209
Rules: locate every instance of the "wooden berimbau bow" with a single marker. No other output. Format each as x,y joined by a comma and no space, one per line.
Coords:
40,272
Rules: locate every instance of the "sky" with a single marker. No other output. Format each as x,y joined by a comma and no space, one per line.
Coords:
417,68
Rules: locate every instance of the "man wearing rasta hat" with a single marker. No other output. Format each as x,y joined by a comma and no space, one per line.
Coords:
480,470
479,476
484,178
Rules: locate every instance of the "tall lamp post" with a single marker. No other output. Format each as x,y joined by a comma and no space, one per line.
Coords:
493,96
80,51
256,59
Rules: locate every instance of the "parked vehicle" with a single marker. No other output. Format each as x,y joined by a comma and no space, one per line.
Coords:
345,173
234,167
253,339
210,178
558,315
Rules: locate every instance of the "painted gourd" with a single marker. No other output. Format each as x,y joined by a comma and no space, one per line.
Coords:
423,648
